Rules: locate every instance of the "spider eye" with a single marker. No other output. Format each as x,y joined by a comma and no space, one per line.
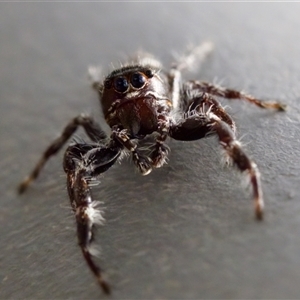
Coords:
137,80
121,84
107,84
149,73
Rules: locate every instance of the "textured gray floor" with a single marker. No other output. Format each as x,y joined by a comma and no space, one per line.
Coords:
184,231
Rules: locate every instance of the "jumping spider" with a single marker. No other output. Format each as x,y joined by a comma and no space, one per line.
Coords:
140,99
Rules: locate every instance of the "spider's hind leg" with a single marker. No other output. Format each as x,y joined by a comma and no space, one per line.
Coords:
82,163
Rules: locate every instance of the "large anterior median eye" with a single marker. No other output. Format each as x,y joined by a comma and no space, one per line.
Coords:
138,80
121,84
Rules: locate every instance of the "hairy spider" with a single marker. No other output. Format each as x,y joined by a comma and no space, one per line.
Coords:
140,99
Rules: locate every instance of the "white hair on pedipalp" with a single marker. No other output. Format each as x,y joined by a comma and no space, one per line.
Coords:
133,94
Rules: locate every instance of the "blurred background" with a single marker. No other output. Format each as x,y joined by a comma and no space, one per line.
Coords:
186,231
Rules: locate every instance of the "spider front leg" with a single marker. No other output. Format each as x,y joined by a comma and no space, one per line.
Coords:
198,125
205,102
82,163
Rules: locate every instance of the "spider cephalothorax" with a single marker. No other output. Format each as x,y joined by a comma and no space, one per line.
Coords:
137,100
135,97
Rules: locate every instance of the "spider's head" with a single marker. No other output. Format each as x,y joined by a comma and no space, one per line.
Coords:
129,83
131,90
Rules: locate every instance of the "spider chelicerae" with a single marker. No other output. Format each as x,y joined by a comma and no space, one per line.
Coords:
141,99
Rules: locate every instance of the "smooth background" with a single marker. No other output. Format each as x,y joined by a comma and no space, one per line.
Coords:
188,229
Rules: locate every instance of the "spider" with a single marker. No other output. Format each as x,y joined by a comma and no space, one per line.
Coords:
140,99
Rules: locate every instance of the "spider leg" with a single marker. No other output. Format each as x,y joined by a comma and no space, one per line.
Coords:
205,102
194,57
160,153
198,125
92,129
143,163
187,62
215,90
95,77
82,163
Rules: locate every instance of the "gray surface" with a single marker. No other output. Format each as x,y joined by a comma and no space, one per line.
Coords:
187,230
